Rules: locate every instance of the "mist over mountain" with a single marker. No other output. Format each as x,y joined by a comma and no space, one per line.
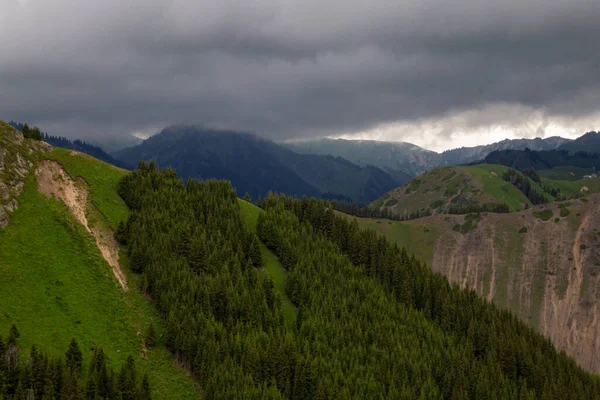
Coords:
257,165
402,159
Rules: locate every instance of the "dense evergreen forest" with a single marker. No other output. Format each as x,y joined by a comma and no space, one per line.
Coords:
539,160
372,321
356,210
46,378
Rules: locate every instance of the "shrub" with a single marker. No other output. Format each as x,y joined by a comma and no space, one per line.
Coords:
436,204
523,230
544,215
564,211
583,246
391,202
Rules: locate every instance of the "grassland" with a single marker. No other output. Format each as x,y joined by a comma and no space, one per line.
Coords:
490,177
418,237
447,187
272,266
55,285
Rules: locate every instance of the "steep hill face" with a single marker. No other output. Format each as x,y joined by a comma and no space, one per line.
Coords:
257,166
542,263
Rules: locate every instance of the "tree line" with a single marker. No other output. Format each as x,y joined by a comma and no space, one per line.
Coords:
373,322
28,132
355,210
39,376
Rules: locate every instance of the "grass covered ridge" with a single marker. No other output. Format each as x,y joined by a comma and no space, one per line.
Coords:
55,285
446,188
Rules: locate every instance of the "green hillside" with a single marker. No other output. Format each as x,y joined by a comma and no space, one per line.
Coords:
483,187
444,188
55,285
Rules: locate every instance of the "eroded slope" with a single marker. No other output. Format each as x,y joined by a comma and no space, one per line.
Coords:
52,180
542,263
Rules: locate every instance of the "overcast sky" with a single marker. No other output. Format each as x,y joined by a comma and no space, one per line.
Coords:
440,74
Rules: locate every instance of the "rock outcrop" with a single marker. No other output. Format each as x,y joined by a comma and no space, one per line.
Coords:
17,156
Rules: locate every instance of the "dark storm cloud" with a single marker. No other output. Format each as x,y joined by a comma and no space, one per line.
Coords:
290,69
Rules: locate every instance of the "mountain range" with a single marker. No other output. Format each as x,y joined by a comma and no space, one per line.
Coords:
402,159
257,166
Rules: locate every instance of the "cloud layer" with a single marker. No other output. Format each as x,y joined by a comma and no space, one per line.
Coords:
440,72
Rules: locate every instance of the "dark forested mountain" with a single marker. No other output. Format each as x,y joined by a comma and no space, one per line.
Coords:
465,155
405,160
542,160
257,165
589,143
78,145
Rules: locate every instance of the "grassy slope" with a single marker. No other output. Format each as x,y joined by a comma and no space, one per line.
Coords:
55,285
273,267
418,238
495,187
480,184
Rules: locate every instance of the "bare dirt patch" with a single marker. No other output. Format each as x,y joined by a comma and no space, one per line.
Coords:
52,180
548,274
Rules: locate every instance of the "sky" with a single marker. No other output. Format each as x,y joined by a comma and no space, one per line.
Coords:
435,73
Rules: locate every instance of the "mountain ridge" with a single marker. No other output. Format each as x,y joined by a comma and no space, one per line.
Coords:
257,165
404,159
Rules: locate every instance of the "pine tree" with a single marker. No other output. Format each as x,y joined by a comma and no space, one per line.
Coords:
13,334
150,336
127,380
74,357
145,393
26,131
36,134
255,253
247,197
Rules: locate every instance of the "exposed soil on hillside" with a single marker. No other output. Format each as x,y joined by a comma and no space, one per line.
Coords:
52,180
547,271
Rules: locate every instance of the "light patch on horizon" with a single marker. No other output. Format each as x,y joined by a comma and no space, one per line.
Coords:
465,129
